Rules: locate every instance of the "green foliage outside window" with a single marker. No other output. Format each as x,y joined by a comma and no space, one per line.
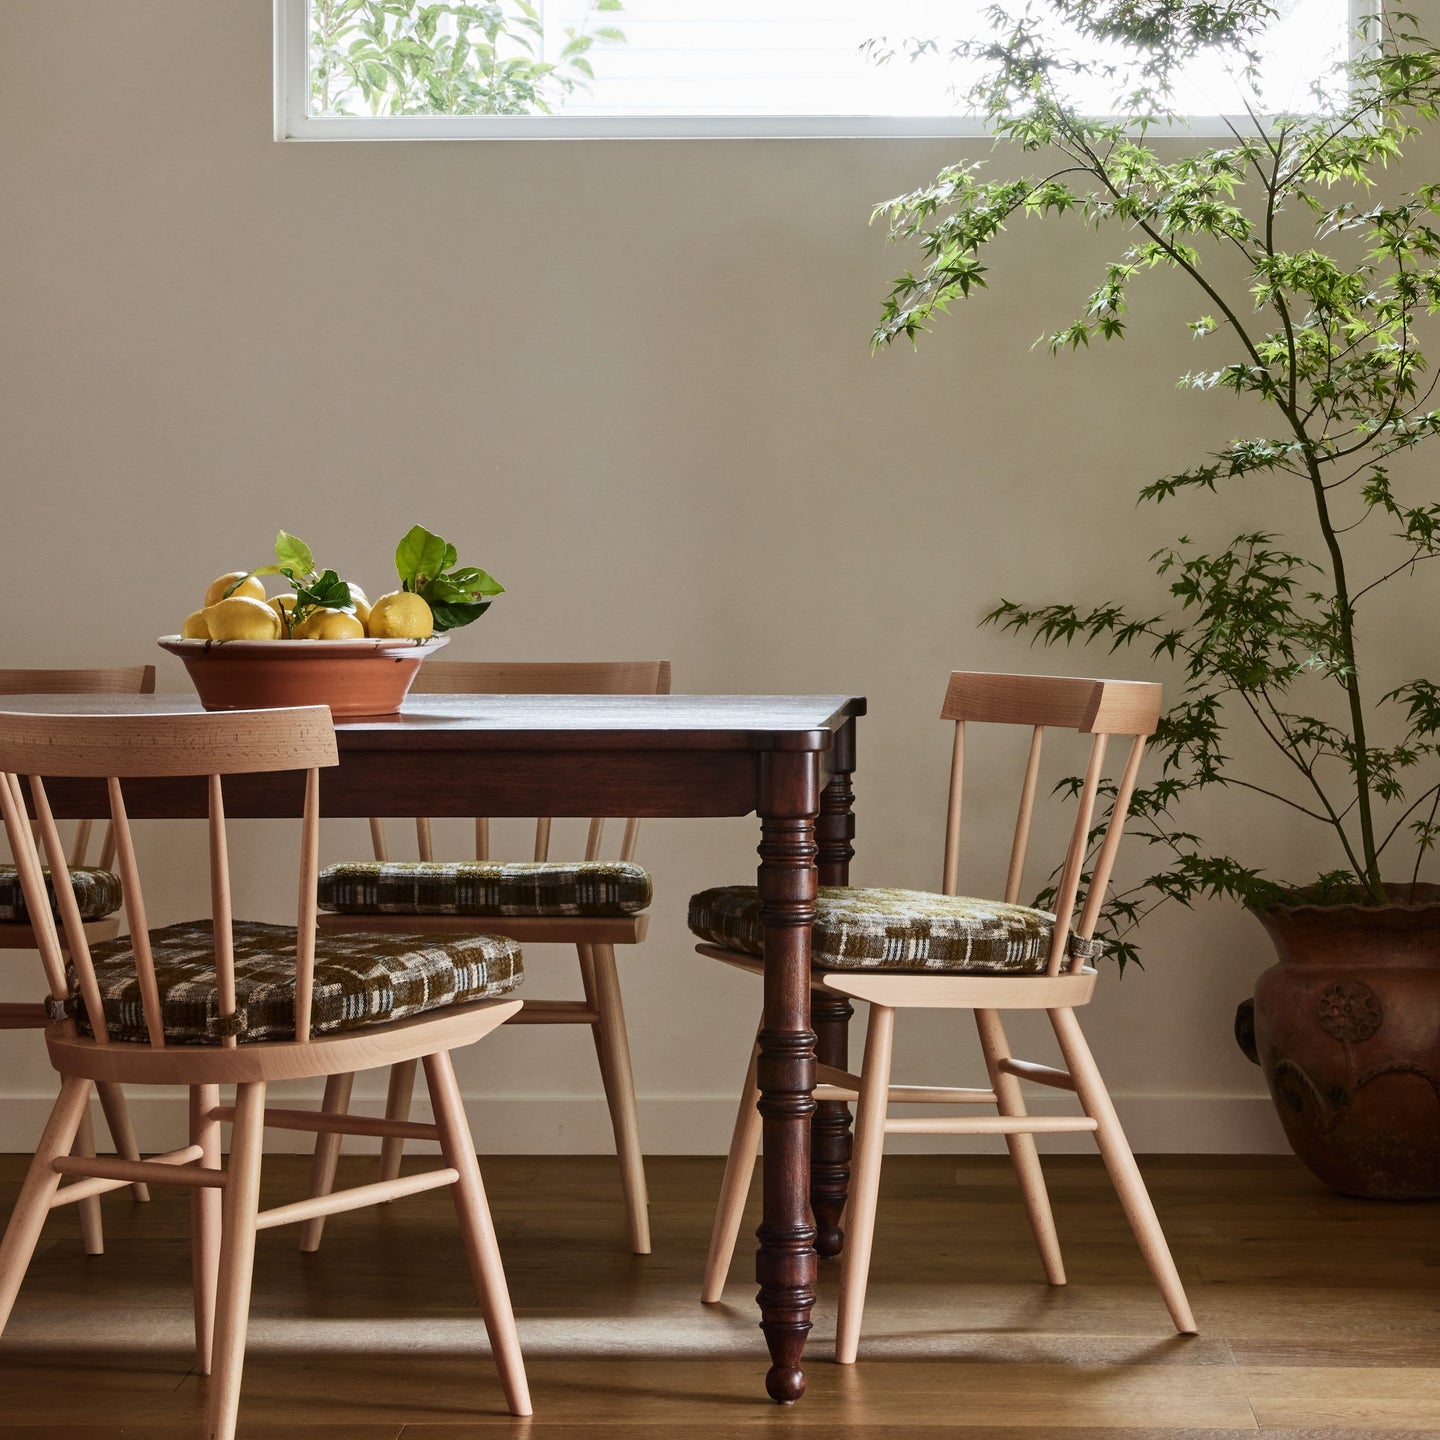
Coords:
398,57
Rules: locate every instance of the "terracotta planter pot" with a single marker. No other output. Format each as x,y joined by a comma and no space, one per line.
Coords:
1347,1031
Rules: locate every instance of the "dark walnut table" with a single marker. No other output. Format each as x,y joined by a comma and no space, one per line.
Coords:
786,758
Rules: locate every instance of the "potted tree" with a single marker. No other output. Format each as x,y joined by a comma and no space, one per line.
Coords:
1313,272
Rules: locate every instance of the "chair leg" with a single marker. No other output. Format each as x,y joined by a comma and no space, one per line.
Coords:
734,1188
237,1260
27,1219
477,1230
327,1155
584,954
1023,1154
397,1107
122,1132
619,1083
205,1223
864,1180
1120,1162
92,1231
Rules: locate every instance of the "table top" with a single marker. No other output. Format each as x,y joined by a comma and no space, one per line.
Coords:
440,722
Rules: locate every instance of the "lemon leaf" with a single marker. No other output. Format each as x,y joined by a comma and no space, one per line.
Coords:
292,553
476,581
329,592
421,556
450,616
424,561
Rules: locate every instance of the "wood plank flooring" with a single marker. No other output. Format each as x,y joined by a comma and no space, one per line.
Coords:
1319,1316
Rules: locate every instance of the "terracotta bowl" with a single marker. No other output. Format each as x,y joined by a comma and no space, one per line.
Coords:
352,677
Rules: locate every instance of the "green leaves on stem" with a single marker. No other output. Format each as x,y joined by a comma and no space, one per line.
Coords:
456,597
324,590
424,561
1315,292
397,57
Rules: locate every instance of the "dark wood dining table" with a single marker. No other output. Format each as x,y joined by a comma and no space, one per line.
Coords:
787,759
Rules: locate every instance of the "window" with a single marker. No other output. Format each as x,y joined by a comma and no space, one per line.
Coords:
388,69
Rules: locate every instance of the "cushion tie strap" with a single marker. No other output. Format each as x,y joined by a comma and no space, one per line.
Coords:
58,1010
1082,949
221,1026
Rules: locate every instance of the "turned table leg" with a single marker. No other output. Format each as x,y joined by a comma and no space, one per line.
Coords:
830,1137
786,1264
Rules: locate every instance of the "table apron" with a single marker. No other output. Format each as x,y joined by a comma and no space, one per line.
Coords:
402,783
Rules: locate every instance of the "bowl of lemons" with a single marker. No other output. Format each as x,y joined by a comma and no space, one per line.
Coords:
322,641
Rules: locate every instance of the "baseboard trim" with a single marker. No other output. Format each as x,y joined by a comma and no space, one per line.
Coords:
701,1125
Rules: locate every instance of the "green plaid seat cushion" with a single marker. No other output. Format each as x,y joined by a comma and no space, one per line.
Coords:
360,980
485,887
878,929
96,891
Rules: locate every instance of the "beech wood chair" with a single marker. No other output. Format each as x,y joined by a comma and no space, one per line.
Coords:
222,1001
906,949
97,892
593,904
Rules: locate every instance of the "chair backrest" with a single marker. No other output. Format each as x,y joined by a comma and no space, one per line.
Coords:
116,748
1098,708
129,680
538,677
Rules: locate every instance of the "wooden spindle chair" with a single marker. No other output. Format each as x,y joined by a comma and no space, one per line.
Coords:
97,892
603,909
217,1002
905,949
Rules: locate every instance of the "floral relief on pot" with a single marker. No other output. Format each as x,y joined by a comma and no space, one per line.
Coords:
1347,1031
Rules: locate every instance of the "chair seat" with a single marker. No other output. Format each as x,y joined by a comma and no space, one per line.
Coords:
485,887
880,929
360,980
97,892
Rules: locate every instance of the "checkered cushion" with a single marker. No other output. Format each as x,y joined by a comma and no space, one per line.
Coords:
484,887
874,929
96,891
360,980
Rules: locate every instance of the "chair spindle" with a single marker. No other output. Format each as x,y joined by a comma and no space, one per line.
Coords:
27,863
1069,886
950,884
135,917
1105,861
309,908
73,926
1016,875
221,910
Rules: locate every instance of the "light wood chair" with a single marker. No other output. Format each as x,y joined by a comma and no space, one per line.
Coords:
230,1002
594,935
902,950
20,934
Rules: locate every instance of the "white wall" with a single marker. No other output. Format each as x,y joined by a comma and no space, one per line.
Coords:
633,380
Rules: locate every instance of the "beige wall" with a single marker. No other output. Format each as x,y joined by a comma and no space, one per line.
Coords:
633,380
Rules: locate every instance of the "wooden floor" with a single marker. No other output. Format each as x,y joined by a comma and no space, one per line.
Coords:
1319,1317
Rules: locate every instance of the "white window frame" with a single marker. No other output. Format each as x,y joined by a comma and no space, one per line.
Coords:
293,122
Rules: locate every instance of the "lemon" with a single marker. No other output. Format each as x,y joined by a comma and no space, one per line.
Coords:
329,625
242,618
401,616
251,588
195,627
360,603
